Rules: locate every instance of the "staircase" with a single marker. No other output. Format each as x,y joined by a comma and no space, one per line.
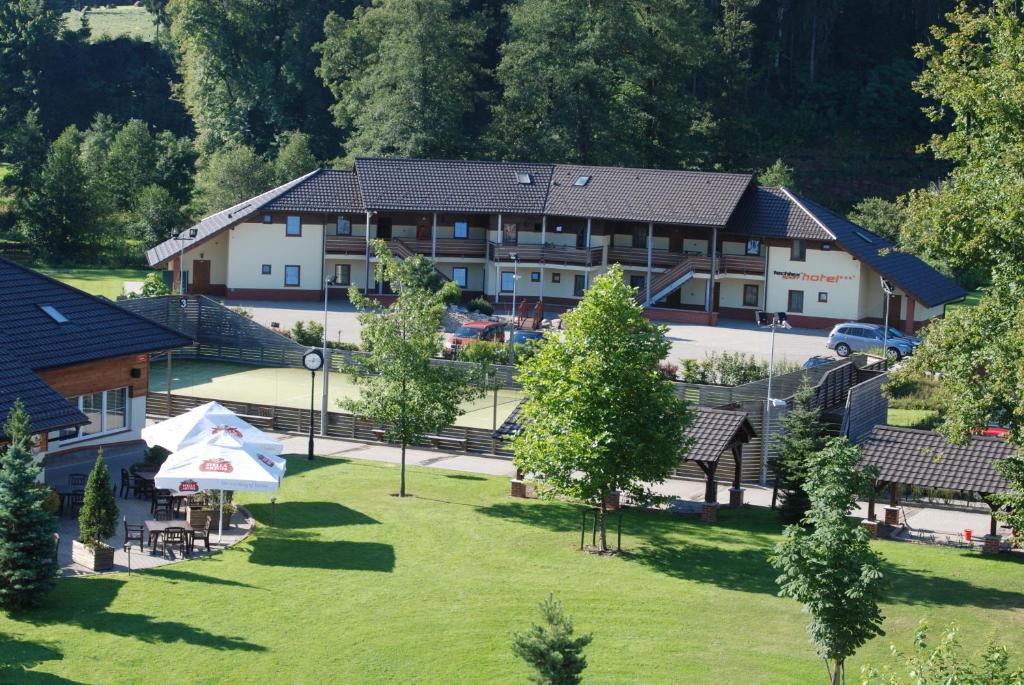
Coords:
402,251
668,281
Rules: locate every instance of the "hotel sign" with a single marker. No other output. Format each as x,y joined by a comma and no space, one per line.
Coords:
813,278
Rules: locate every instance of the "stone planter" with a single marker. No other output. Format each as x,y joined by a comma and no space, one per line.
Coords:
99,559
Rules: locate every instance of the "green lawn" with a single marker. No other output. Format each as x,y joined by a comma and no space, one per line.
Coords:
98,281
971,300
290,388
354,585
124,20
913,418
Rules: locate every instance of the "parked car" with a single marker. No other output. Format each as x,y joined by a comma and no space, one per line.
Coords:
863,337
523,337
817,360
471,332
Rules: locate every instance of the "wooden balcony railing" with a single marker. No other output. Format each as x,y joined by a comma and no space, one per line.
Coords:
637,256
741,264
547,254
346,244
448,247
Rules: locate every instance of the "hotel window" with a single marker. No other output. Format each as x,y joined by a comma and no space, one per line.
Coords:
294,226
267,219
344,226
796,301
556,277
798,251
753,248
265,269
579,282
822,297
508,280
342,274
535,277
462,229
292,276
107,411
459,276
750,295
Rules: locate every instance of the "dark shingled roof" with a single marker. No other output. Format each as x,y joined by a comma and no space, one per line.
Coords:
432,185
47,410
905,270
771,213
714,430
925,459
215,223
328,190
693,198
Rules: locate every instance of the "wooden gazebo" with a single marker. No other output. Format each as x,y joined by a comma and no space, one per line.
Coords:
714,433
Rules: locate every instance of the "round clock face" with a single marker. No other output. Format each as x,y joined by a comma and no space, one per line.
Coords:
312,360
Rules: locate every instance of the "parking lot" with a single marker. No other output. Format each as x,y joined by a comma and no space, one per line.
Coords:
688,341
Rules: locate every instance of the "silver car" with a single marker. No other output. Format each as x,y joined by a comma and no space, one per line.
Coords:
864,337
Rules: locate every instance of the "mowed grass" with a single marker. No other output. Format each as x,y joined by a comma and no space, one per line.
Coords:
123,20
354,585
913,418
970,300
97,281
291,388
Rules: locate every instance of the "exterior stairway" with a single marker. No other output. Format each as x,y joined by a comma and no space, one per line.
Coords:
403,251
668,281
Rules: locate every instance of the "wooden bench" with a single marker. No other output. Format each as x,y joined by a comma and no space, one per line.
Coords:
379,432
436,440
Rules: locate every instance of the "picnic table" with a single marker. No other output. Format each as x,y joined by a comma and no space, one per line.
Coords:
154,529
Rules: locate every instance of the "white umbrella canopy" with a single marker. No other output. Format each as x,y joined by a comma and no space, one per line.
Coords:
203,422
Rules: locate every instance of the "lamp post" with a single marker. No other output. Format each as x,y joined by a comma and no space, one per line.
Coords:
512,314
312,360
328,282
887,289
192,233
772,321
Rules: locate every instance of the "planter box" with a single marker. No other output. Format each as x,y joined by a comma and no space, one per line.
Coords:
100,559
196,517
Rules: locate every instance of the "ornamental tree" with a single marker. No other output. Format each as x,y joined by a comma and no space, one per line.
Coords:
829,565
28,564
599,417
98,519
401,386
552,649
799,439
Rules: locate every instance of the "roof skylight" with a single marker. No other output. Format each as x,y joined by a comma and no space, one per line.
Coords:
53,313
524,178
581,181
864,236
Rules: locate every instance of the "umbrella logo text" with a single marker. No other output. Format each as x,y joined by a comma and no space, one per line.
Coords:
188,486
216,466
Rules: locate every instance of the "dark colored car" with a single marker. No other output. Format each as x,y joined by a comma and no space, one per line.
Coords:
471,332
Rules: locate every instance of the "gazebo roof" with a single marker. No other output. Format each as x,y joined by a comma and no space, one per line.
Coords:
716,430
925,459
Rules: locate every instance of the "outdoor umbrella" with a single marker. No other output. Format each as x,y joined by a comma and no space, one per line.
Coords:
223,461
206,420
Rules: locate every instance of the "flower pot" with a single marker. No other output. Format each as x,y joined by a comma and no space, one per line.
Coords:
99,559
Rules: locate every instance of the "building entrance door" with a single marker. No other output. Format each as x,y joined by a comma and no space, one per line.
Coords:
200,277
895,306
384,228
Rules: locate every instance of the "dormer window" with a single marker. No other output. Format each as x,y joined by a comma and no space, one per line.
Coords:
524,178
53,313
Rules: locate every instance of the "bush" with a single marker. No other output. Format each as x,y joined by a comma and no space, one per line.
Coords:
308,333
155,285
450,292
352,347
243,312
479,304
731,368
155,456
484,352
98,518
668,370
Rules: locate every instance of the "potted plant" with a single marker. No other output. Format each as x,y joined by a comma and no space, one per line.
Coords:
97,521
207,503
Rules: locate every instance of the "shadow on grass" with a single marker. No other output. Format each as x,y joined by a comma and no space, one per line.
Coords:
16,656
175,576
340,555
307,515
463,476
84,603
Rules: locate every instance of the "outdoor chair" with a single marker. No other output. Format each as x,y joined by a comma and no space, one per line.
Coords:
75,502
133,533
202,534
143,488
162,515
77,481
174,536
161,502
129,484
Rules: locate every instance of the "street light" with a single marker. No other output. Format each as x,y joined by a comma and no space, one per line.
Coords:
512,314
887,289
772,321
328,282
192,233
312,360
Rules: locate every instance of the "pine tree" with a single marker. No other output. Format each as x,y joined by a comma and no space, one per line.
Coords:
551,649
28,566
800,438
98,518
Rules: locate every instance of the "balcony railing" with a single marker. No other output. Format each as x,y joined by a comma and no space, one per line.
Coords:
637,256
346,244
547,254
448,247
727,264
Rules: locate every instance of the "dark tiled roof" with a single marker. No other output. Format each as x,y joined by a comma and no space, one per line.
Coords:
96,328
47,410
223,219
713,430
769,212
694,198
925,459
329,191
905,270
431,185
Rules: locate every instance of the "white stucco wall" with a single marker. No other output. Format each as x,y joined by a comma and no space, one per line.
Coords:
829,271
133,431
253,245
730,293
216,251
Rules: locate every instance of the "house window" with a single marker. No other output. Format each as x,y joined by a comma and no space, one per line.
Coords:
508,279
796,301
294,226
636,282
462,229
798,251
342,274
753,248
822,297
750,295
292,276
639,236
344,226
265,269
459,276
535,277
556,277
579,283
268,219
107,411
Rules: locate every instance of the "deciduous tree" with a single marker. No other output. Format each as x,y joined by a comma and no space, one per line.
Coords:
598,416
229,176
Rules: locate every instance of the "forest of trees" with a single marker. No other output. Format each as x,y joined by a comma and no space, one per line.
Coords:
108,145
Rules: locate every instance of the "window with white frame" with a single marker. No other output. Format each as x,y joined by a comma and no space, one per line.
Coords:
459,276
342,274
462,229
107,411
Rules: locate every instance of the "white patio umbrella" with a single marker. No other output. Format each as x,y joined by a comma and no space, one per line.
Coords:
204,421
223,461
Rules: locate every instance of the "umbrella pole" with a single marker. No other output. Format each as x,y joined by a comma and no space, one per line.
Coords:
220,523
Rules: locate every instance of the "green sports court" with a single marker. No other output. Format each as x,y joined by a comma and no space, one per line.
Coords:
285,387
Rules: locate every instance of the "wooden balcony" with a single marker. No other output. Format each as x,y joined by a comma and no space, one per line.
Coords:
547,254
727,264
448,247
346,244
741,264
637,256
